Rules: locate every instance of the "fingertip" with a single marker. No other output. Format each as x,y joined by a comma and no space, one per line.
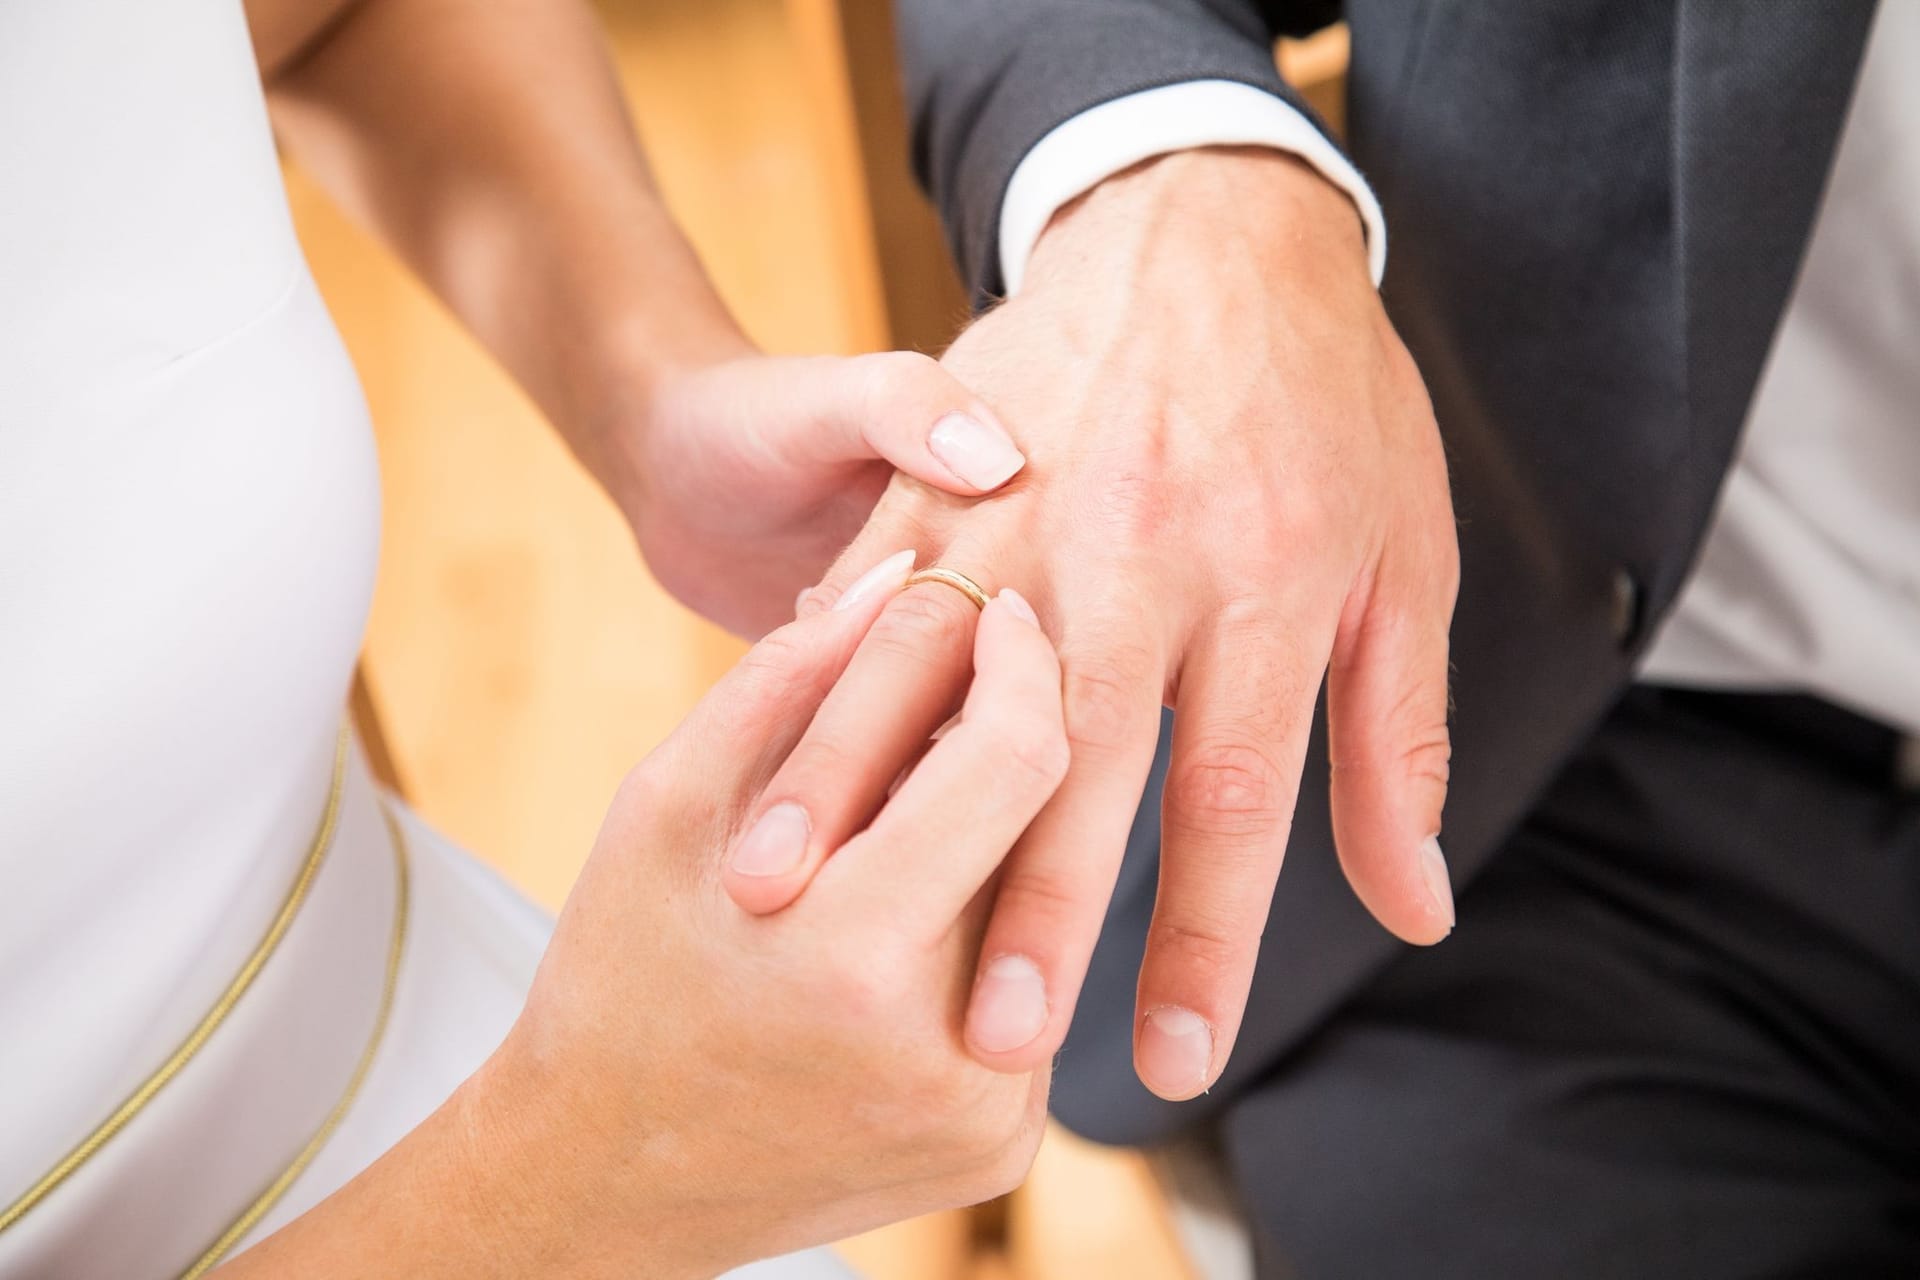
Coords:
871,589
761,896
1010,620
1007,1015
1438,886
1173,1053
767,868
975,451
1017,605
1403,882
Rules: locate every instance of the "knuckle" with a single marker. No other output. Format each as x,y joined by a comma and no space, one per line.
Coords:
774,663
1229,788
1427,756
920,625
1301,520
1050,901
642,790
817,758
857,983
1102,696
1417,718
1032,748
1204,951
1132,503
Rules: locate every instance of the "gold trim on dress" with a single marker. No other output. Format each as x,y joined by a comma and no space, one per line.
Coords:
150,1088
249,1219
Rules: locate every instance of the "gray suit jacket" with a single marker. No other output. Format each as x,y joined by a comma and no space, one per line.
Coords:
1597,208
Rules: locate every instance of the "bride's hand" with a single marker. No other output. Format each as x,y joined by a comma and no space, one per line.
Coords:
743,479
706,1086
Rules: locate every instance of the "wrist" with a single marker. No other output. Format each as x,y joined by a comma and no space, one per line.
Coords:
1248,212
634,374
531,1156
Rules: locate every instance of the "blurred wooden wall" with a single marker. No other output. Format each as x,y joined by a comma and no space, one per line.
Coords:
519,655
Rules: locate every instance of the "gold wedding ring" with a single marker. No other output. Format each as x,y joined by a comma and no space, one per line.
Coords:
952,578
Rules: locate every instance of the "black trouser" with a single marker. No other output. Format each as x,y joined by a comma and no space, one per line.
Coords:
1676,1033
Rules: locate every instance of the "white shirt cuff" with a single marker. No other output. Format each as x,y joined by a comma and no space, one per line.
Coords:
1091,147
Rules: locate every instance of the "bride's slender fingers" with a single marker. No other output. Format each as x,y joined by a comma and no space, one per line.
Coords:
945,831
738,734
906,409
906,678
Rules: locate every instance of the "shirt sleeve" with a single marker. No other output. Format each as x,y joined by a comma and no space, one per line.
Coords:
1092,146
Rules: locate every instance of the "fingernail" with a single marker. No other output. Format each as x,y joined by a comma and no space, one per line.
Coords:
776,844
889,575
1176,1049
800,601
1018,606
1433,868
1009,1005
980,453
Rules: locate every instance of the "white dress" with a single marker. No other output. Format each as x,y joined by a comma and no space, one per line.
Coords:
189,515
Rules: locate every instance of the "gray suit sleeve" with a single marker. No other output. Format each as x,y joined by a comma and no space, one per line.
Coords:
987,79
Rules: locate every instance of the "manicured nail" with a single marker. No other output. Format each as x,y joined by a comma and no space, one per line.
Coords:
889,575
1433,869
1176,1049
1009,1005
979,453
1018,606
776,844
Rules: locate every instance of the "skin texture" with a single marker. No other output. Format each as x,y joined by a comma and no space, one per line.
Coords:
692,1086
1236,488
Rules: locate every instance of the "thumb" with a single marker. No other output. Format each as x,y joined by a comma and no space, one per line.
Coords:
906,409
1388,741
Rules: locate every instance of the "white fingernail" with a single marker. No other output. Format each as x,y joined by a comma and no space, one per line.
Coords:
1433,869
776,844
889,574
1017,605
1009,1006
979,453
1176,1052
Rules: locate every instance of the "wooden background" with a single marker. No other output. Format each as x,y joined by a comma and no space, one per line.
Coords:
519,654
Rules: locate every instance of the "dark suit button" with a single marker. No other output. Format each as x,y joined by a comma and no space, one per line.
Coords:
1624,608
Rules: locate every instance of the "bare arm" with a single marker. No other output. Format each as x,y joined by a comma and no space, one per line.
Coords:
488,143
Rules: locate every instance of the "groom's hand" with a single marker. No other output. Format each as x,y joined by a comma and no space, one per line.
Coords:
1236,487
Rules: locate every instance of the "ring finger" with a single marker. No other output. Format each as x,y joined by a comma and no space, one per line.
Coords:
906,679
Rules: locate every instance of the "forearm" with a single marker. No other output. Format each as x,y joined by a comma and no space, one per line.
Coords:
487,142
481,1189
1206,224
